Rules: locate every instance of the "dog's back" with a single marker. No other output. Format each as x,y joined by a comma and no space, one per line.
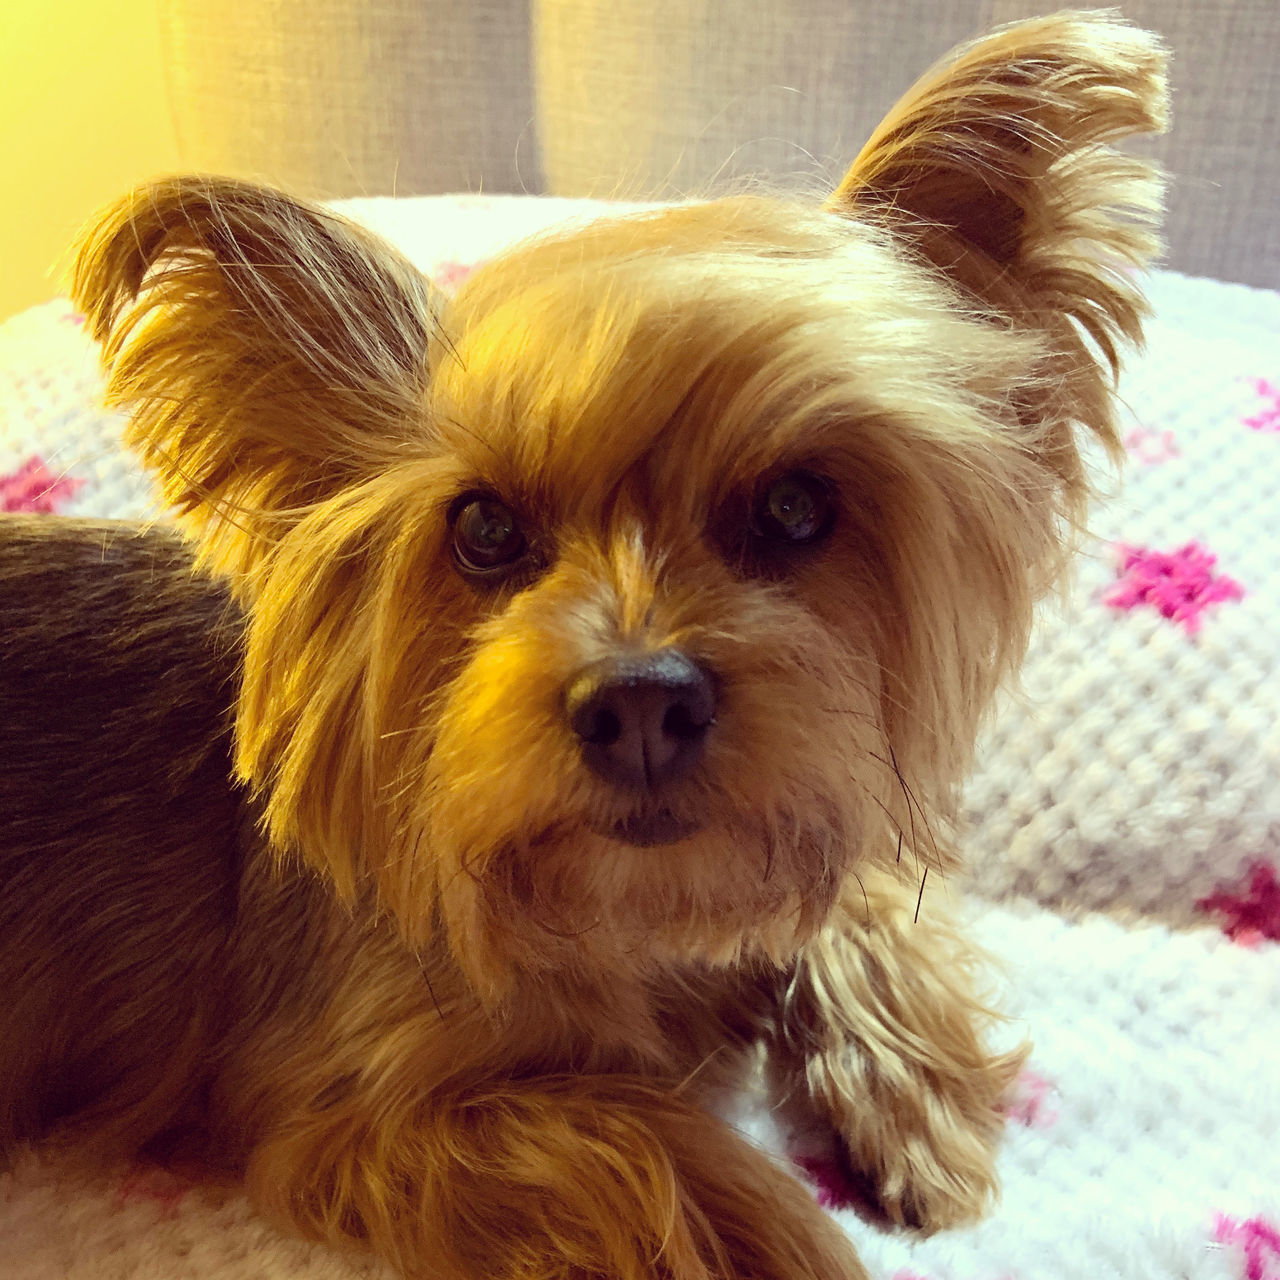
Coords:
119,825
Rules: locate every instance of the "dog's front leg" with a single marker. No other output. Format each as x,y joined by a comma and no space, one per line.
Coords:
589,1177
371,1106
880,1034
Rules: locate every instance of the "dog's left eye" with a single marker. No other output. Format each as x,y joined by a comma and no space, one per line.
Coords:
794,508
486,535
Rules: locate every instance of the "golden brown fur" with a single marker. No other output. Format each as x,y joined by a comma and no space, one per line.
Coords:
448,1006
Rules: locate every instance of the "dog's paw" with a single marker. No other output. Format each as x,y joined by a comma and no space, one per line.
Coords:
923,1153
912,1188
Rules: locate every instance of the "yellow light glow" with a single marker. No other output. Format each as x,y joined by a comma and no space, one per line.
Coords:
83,117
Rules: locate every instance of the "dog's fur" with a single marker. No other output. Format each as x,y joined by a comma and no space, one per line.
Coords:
300,848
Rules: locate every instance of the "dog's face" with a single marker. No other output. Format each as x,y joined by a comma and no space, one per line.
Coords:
611,612
723,499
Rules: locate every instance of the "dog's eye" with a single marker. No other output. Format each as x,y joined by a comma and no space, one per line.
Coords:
794,508
486,535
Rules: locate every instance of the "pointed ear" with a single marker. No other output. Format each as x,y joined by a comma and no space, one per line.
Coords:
269,352
997,167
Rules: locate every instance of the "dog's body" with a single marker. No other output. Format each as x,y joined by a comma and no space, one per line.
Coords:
113,664
567,689
209,1022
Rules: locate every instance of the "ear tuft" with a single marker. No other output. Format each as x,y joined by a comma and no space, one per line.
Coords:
998,168
268,351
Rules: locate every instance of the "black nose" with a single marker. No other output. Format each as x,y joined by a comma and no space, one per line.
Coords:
641,720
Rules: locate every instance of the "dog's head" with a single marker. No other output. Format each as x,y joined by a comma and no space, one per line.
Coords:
614,610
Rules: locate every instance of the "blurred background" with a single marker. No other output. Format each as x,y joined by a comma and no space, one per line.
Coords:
572,97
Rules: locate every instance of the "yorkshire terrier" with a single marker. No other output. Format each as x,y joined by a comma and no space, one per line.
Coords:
557,691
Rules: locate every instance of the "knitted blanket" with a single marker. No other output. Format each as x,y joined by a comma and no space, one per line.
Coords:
1124,835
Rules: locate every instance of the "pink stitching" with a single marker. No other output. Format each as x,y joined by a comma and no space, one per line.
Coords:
148,1184
1028,1104
33,487
1152,447
1256,1238
1181,584
908,1274
1252,911
449,275
831,1186
1267,419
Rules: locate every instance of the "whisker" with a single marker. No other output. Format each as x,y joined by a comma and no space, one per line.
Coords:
912,802
701,1066
911,795
866,902
432,992
920,898
875,800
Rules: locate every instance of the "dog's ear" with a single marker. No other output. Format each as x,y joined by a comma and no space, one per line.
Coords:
998,168
269,352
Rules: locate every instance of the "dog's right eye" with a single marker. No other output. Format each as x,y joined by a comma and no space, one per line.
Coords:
486,535
795,509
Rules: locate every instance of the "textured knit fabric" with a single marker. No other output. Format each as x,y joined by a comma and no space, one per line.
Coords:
1138,773
1142,766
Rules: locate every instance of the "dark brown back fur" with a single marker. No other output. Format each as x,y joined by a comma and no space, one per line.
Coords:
119,826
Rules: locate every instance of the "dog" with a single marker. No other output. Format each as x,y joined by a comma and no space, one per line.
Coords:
554,695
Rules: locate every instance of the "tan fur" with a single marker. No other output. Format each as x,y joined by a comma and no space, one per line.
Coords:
917,1103
453,1016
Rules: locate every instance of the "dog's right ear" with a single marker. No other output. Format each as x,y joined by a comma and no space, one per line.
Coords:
269,352
999,169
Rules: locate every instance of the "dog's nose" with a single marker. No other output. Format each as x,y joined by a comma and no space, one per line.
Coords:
641,720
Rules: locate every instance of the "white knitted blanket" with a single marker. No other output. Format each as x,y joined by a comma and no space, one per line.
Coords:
1137,774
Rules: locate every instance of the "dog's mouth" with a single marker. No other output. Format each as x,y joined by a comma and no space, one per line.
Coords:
647,828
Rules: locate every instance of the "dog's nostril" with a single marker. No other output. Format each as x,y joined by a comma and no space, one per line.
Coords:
680,722
605,728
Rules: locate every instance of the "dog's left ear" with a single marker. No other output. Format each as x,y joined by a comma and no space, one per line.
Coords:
997,168
269,352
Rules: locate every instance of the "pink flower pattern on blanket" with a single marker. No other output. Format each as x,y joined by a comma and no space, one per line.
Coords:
1267,419
34,488
1251,913
1257,1239
1151,447
1182,584
449,274
1030,1104
832,1186
153,1184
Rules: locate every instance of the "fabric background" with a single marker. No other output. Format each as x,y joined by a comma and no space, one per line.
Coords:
668,97
1140,763
335,98
654,98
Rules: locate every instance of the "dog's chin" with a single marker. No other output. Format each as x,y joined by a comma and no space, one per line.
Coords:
648,828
